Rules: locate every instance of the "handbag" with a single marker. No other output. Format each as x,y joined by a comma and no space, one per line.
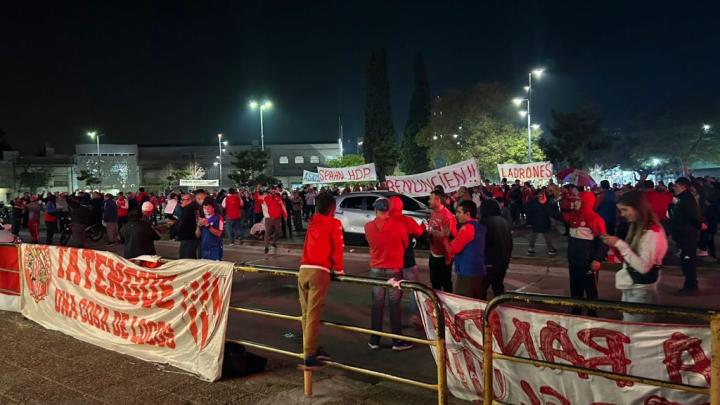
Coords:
647,278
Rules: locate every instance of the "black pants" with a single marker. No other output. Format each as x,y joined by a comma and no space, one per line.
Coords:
495,278
51,227
688,262
440,274
286,227
583,285
188,249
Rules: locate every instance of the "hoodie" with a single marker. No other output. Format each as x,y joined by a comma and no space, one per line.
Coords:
413,229
586,226
324,244
388,239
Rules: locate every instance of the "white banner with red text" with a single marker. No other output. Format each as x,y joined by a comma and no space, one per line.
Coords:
667,352
525,171
451,178
174,314
9,278
364,172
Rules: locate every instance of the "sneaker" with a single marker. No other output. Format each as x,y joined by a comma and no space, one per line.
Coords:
402,346
531,251
552,252
322,356
688,291
702,253
373,346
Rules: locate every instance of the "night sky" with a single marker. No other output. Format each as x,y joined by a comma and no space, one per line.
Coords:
180,72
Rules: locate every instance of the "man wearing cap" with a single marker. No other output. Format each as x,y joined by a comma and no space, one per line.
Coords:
388,239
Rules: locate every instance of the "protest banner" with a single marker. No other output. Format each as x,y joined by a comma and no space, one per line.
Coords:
525,171
310,177
667,352
364,172
450,178
9,279
199,183
175,313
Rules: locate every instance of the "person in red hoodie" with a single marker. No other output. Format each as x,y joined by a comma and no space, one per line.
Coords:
233,205
122,206
275,211
585,249
410,270
388,240
322,254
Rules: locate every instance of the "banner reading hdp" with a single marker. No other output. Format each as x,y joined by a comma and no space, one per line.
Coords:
175,314
364,172
674,353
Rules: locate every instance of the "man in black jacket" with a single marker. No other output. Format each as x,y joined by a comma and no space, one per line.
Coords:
686,226
138,236
80,218
186,227
498,248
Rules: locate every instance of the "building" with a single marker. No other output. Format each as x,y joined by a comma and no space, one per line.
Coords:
116,167
46,171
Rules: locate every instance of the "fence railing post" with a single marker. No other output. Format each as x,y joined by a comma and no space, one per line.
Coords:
487,360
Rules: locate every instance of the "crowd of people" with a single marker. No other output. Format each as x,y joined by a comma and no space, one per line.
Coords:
470,233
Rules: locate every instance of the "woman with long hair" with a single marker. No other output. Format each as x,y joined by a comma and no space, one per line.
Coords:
642,251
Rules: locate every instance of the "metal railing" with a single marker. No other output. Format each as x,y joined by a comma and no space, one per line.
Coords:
711,316
440,386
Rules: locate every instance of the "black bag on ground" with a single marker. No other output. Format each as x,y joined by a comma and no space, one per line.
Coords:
239,362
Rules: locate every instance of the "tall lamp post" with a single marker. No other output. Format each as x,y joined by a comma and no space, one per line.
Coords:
221,150
96,136
266,105
527,113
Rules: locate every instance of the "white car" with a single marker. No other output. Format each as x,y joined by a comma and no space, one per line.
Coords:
355,210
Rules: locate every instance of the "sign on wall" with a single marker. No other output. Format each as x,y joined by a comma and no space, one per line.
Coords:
199,183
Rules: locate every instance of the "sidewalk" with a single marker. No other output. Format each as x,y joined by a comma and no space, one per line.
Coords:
40,366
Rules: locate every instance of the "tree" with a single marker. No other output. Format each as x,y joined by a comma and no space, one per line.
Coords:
89,179
413,156
33,179
249,168
346,160
480,123
572,137
379,139
3,143
195,171
174,176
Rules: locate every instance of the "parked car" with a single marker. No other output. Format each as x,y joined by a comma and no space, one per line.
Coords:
355,209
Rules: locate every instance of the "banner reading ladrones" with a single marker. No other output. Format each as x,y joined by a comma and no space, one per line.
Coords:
450,178
674,353
364,172
175,314
525,171
310,177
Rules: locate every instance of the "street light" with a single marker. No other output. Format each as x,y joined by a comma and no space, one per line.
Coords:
518,101
219,158
538,72
96,136
535,126
266,105
706,127
523,113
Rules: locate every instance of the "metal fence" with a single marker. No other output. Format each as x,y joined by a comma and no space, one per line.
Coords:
711,316
440,386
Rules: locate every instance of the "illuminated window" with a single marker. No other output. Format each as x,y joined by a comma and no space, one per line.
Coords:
299,159
314,159
284,160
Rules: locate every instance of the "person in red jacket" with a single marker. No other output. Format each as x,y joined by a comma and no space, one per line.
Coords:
443,225
322,254
410,270
275,209
122,205
233,205
388,239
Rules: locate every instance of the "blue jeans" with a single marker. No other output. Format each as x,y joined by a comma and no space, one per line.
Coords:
234,228
640,295
213,253
378,304
411,274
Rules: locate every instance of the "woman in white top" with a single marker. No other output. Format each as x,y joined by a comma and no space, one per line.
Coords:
642,251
